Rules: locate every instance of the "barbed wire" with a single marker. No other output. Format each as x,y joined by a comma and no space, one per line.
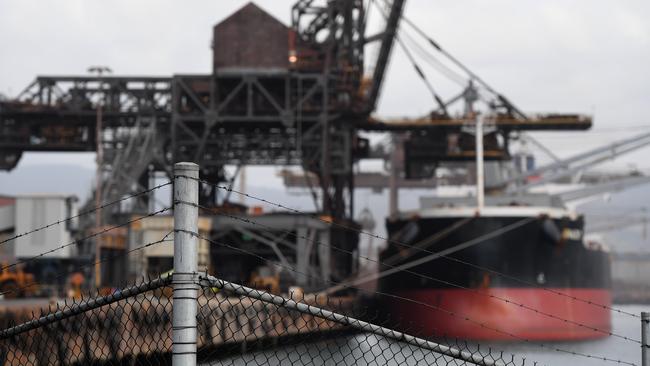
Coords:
372,235
54,336
58,313
103,329
244,251
83,213
401,298
376,292
23,261
370,326
398,267
92,264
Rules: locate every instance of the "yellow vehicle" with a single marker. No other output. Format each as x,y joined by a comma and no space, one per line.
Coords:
14,282
265,279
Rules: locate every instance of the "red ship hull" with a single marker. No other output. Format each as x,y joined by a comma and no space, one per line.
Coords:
512,321
516,267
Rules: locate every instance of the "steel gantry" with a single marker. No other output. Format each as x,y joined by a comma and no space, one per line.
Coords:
300,103
277,95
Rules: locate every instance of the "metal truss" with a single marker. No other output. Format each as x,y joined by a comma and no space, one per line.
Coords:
246,117
290,239
237,117
59,113
304,115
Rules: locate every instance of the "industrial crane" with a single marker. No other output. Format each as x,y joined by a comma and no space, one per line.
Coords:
297,95
575,164
310,114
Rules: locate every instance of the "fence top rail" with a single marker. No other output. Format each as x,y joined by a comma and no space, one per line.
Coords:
304,308
84,306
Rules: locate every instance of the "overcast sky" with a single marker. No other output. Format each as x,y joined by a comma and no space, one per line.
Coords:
587,56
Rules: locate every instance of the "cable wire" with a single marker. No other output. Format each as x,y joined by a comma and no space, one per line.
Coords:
400,298
83,213
434,62
90,265
403,268
372,235
457,62
244,251
22,261
417,68
437,46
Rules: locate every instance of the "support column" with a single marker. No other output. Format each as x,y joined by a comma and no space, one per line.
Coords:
480,170
302,257
185,277
393,187
324,254
645,337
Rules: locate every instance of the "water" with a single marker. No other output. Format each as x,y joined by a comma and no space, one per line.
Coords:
367,349
610,347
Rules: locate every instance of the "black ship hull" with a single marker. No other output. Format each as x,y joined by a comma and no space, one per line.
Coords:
546,254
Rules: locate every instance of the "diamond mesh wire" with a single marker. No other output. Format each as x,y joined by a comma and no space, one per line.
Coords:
130,326
244,326
236,326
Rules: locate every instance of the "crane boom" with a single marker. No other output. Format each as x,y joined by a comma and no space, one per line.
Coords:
566,167
617,185
388,39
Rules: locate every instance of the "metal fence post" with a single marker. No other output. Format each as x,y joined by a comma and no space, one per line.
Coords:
645,335
185,277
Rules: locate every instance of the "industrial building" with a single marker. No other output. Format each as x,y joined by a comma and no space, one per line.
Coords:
46,252
158,259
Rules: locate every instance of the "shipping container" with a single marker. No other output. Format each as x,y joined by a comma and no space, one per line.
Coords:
35,211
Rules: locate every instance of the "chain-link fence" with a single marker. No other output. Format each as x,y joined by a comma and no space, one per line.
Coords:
236,325
190,318
130,326
245,326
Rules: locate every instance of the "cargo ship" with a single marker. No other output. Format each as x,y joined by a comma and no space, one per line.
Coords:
540,250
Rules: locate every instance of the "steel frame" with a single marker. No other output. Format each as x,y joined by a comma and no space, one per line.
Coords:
296,241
